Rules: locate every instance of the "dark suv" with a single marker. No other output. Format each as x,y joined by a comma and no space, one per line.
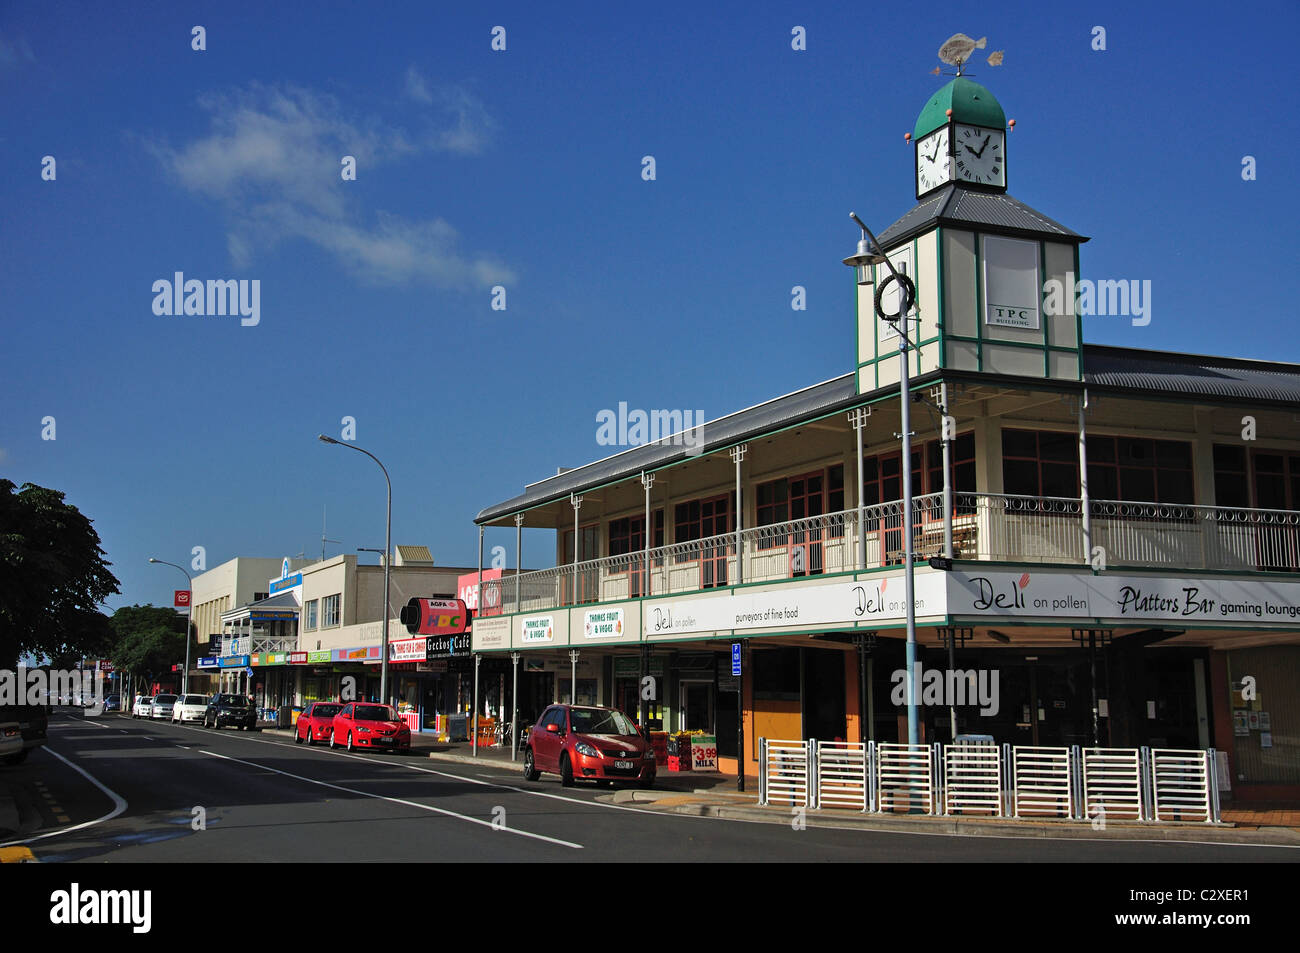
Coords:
33,720
226,710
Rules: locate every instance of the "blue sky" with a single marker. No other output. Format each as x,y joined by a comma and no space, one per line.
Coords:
522,168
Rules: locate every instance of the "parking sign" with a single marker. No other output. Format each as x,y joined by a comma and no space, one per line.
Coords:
735,658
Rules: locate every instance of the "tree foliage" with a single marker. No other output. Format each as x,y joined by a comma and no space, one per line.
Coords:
148,640
53,577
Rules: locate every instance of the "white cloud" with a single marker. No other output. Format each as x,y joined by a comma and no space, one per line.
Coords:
271,160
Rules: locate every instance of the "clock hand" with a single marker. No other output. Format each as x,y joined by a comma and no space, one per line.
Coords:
983,147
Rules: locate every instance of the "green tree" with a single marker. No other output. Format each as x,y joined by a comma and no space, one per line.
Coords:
53,577
148,640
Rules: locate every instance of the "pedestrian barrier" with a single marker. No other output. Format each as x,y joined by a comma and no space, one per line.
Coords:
1184,785
784,772
905,778
977,778
1112,784
1041,779
843,777
972,779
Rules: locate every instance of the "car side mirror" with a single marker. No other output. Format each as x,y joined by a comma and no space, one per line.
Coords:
553,728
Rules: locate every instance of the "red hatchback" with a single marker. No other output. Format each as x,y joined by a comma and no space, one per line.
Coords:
368,725
316,723
584,742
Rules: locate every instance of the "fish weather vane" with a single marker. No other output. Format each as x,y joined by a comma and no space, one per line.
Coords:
957,49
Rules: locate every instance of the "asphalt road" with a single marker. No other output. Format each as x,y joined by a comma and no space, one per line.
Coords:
117,790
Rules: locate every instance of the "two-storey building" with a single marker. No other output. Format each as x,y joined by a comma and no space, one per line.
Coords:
1123,524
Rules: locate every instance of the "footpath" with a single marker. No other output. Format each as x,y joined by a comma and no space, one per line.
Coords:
708,794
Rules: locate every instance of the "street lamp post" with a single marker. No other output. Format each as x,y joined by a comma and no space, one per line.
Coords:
189,611
388,559
870,253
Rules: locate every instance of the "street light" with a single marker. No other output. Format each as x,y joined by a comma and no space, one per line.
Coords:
388,558
189,610
870,253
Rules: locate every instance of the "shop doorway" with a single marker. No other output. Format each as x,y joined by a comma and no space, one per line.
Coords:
697,705
824,717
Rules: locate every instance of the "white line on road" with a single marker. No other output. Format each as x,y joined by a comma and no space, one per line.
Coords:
397,800
119,805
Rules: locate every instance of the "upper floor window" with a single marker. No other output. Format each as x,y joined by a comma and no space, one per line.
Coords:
1275,483
310,617
1045,463
627,535
330,610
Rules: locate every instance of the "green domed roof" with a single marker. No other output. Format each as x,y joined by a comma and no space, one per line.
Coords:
970,103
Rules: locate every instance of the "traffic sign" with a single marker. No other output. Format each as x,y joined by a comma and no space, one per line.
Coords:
735,658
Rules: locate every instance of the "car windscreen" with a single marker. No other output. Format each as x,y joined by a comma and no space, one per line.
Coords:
375,713
237,701
164,699
599,721
326,711
194,700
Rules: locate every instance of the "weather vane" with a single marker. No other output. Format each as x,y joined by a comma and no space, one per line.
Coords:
957,49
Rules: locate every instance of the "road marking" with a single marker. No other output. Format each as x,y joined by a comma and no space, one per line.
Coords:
119,805
397,800
288,743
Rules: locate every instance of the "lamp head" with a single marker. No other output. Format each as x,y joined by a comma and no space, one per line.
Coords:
324,439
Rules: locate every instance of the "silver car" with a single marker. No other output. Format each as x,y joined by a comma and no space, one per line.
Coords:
162,706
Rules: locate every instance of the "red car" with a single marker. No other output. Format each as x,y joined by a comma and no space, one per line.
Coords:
369,725
585,742
316,723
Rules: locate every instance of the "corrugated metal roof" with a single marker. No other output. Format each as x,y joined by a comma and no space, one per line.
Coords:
956,205
1192,375
1146,372
801,405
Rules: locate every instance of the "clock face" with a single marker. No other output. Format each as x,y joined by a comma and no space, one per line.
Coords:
933,161
979,155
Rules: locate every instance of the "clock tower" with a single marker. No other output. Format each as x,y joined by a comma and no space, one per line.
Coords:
982,260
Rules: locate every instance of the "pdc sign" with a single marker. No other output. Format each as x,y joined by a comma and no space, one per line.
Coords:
435,617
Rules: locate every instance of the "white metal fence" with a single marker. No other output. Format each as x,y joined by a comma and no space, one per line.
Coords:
1007,781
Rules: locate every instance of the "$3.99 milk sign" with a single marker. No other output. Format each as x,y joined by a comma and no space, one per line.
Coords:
704,752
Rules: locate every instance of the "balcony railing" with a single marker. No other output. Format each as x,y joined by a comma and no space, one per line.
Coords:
988,526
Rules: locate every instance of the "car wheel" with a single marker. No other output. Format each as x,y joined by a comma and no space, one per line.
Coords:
530,770
566,771
311,739
647,783
332,744
349,741
297,737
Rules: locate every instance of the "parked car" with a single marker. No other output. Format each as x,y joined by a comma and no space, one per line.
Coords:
316,723
368,725
11,741
163,706
189,708
581,742
33,723
224,709
143,706
113,703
